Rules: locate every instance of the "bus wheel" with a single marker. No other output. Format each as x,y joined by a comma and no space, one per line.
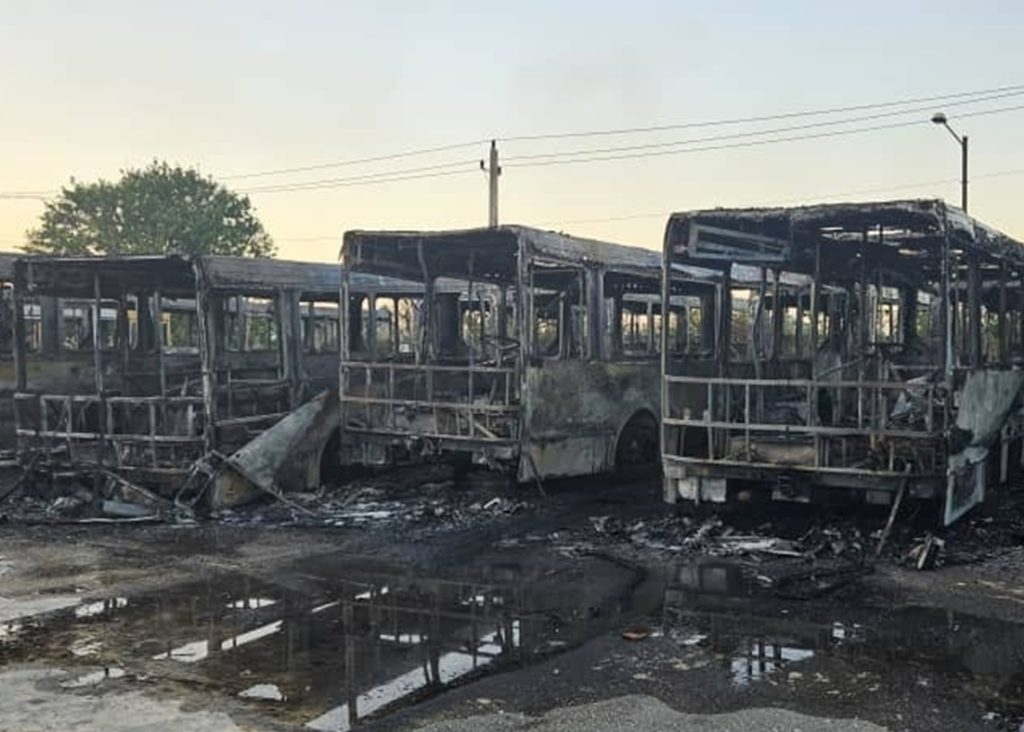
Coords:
637,447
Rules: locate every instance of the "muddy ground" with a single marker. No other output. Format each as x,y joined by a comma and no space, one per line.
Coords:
411,600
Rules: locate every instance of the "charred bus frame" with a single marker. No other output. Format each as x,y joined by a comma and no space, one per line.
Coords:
879,351
181,357
517,359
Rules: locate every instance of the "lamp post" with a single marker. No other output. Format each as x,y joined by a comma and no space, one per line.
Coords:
940,119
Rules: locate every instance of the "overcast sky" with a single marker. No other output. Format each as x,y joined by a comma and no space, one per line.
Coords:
242,87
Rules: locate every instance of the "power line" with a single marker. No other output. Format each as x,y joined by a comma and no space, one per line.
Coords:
356,161
378,181
369,177
754,133
751,143
705,148
20,196
762,118
968,97
592,133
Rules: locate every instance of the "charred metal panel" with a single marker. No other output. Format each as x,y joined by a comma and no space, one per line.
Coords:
576,411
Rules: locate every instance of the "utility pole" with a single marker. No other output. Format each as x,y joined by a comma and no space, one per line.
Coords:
493,170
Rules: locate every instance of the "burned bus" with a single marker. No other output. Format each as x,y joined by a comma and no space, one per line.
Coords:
140,366
529,351
873,350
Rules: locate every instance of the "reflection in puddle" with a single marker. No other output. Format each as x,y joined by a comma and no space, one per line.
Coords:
93,678
9,631
198,650
336,650
760,659
712,609
447,668
251,603
98,607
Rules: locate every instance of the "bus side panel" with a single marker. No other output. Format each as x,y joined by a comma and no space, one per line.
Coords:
575,410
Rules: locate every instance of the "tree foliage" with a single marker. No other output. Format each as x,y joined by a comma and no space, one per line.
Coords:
157,210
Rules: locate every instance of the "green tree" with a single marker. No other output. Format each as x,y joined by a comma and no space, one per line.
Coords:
157,210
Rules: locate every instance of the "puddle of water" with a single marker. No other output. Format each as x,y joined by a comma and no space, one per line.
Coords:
753,638
251,603
758,659
340,648
93,678
267,692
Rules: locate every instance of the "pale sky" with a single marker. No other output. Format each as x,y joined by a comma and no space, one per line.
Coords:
240,87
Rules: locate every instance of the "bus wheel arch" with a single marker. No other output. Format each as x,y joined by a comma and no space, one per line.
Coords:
636,444
328,467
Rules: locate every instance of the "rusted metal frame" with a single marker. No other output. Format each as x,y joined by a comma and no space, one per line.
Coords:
344,349
862,325
649,346
948,314
94,436
93,398
280,322
297,351
669,495
438,367
791,383
69,427
161,363
525,320
97,347
798,334
19,334
757,350
746,418
878,402
777,316
229,392
367,387
371,326
757,340
513,441
110,427
581,303
152,433
804,430
823,470
209,336
596,314
974,332
123,336
1004,347
812,395
723,337
391,394
308,336
709,418
454,406
252,419
427,333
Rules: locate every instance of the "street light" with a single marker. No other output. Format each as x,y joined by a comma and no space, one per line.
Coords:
940,119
